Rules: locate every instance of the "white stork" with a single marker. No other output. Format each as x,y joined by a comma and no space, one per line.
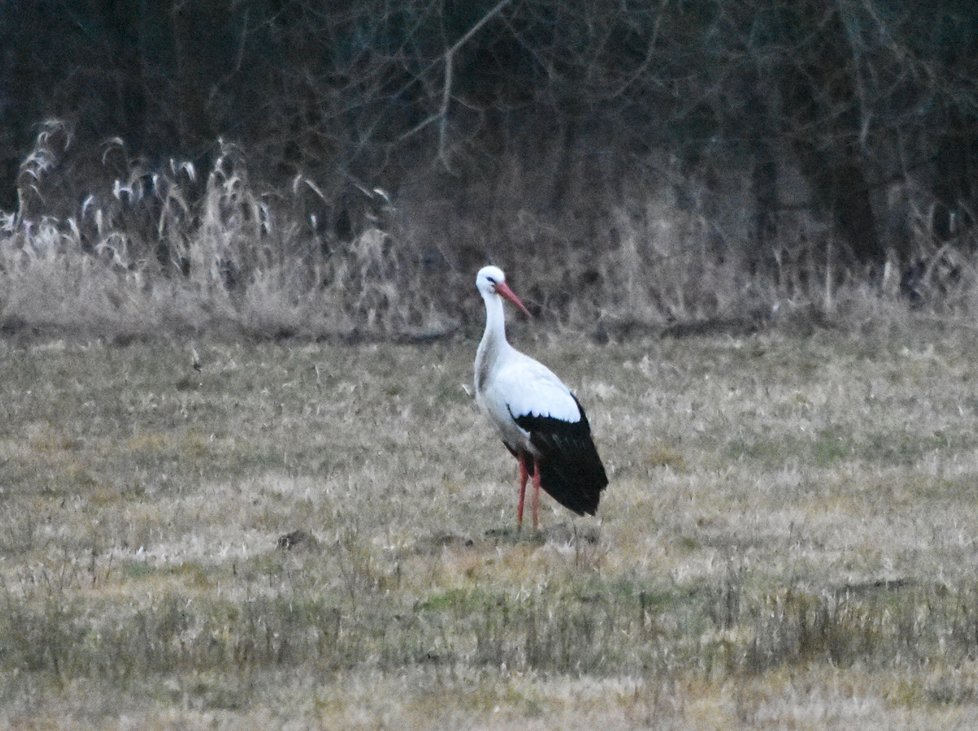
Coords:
540,421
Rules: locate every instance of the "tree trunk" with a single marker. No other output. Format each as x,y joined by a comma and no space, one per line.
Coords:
193,126
821,107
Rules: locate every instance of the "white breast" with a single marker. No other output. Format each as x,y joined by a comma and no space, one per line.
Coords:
520,386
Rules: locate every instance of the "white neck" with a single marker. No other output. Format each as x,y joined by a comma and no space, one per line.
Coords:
493,342
495,319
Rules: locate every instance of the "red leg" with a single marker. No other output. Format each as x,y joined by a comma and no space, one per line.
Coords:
519,507
536,494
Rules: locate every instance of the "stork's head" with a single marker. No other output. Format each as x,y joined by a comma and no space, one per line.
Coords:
491,281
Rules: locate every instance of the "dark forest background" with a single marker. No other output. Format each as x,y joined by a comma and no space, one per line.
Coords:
466,130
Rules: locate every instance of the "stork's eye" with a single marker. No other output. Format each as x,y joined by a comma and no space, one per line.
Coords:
491,280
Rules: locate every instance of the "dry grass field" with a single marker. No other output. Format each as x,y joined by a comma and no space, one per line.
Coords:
313,535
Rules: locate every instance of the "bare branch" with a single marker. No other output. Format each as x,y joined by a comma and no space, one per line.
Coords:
447,88
475,28
443,112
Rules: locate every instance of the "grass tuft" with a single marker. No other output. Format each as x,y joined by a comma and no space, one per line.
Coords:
105,245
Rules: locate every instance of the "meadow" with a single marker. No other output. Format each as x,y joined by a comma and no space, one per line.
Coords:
315,534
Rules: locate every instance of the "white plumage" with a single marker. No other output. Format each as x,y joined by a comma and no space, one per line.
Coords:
534,390
536,415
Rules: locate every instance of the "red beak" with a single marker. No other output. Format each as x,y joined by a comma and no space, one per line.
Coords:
503,290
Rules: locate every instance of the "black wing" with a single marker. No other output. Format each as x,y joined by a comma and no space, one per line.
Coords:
570,468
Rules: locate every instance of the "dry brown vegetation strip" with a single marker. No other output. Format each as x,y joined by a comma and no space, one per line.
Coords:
788,538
